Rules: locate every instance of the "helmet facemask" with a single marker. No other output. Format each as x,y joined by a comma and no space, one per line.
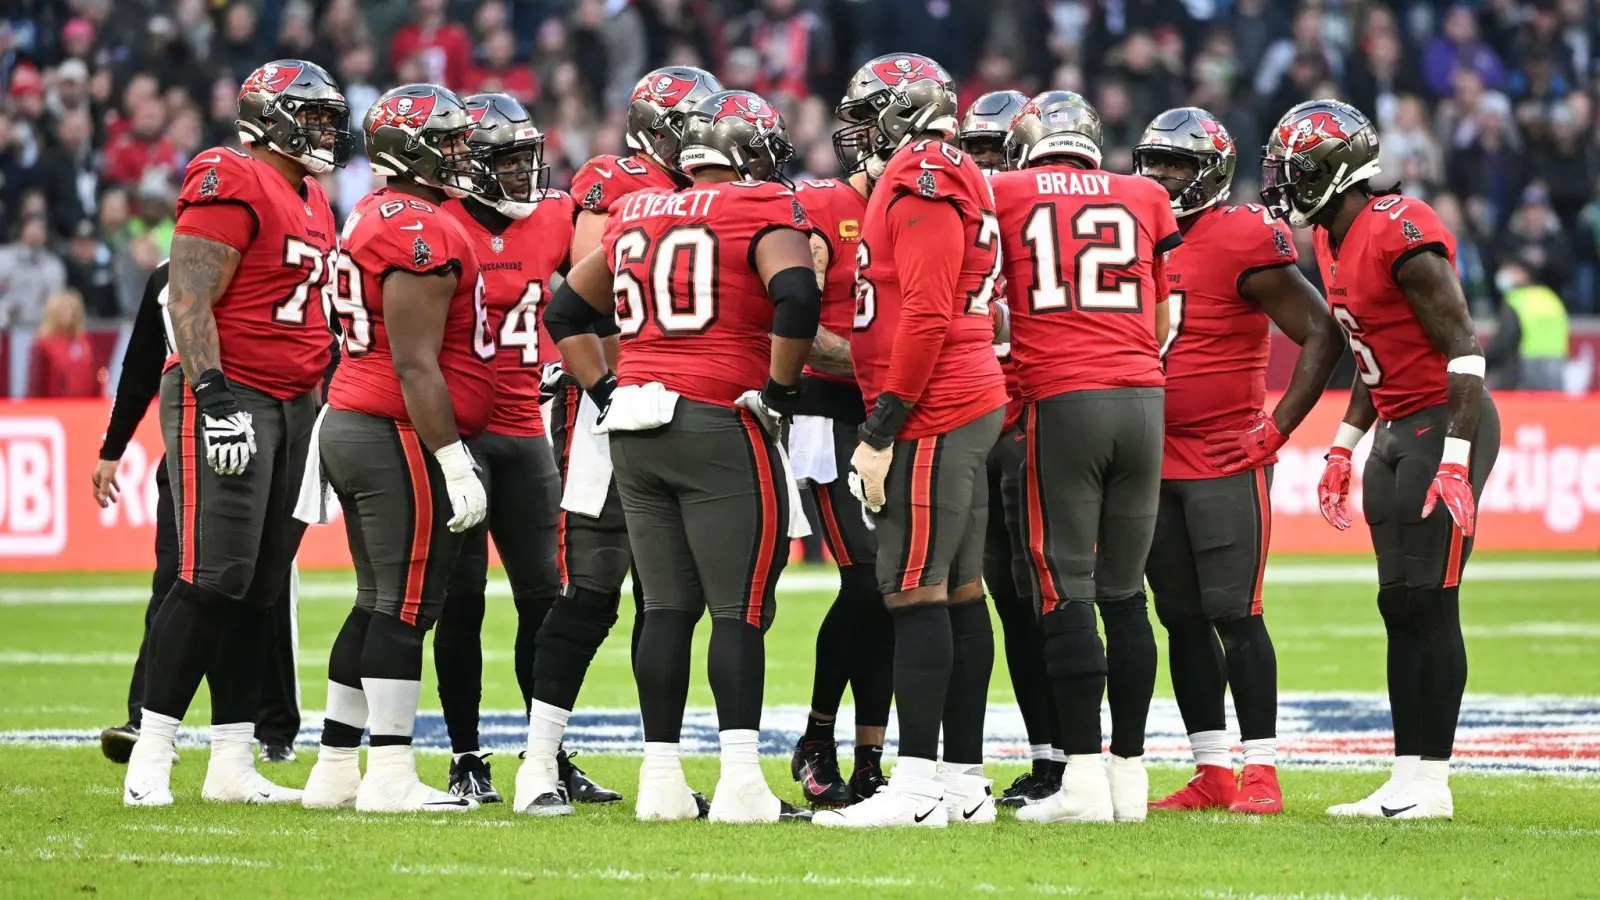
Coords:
459,171
513,178
987,149
1188,195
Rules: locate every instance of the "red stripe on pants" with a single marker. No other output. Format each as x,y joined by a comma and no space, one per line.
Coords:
1049,597
830,526
766,549
422,522
188,449
1452,564
574,396
920,528
1264,504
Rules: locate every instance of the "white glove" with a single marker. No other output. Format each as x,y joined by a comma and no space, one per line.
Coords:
866,514
870,469
230,442
769,420
469,503
550,381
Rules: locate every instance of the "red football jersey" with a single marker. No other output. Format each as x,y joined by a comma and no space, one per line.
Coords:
606,179
692,309
272,330
392,232
1083,255
835,209
1397,362
516,266
965,383
1217,355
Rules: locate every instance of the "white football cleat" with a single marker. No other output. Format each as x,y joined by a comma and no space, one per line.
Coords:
749,800
1420,799
968,799
664,794
232,785
538,788
148,781
1130,788
391,785
907,802
335,779
1085,795
1371,806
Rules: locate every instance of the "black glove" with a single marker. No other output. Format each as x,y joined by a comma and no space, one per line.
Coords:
600,392
781,398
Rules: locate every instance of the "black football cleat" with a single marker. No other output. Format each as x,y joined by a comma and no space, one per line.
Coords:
867,780
469,778
117,742
815,765
788,812
704,805
274,752
578,786
1028,788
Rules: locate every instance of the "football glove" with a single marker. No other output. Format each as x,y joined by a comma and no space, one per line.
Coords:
600,392
770,419
1452,485
1237,451
229,433
1333,491
550,382
870,469
469,502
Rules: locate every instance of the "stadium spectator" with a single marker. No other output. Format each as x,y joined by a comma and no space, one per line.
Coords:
793,46
1530,346
144,147
29,273
61,362
89,271
1458,46
444,47
501,72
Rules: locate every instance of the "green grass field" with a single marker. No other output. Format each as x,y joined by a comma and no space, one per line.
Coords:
67,642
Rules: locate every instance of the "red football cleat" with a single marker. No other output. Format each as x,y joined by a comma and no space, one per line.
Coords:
1259,794
1212,787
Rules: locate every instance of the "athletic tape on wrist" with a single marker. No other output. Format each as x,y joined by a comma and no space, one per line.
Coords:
1456,450
1466,365
1348,436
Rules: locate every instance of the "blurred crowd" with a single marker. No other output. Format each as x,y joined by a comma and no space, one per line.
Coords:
1486,109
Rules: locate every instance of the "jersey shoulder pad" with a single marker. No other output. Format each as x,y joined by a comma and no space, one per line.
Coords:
1401,226
1253,235
934,170
221,174
404,233
604,180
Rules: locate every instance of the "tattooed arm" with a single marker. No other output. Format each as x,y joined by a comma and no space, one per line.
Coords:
1434,292
197,275
830,353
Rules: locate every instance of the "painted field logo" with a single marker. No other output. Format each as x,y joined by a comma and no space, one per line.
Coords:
33,495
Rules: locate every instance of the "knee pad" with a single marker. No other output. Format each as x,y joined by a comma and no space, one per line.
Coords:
1128,614
1072,646
570,636
1434,609
1237,634
1394,604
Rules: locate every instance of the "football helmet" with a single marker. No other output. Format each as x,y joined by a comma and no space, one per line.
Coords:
510,151
739,130
656,110
1196,136
1054,123
984,126
1318,150
889,101
295,108
418,131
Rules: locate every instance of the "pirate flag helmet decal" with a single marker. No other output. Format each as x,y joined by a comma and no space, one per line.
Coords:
657,108
889,101
1318,150
419,131
295,108
739,130
1195,135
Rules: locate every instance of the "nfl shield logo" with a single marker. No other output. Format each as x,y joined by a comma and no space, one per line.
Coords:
497,244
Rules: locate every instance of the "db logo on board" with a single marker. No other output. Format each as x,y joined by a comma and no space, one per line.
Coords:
33,490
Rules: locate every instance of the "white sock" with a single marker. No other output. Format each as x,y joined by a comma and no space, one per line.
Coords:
741,753
912,767
1435,771
391,706
959,769
347,705
157,735
1261,752
662,755
1040,752
1211,748
1405,768
1058,755
546,726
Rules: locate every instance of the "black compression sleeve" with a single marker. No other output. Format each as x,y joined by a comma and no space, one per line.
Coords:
799,303
569,314
141,369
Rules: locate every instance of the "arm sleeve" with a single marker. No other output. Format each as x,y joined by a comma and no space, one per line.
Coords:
228,223
141,370
929,266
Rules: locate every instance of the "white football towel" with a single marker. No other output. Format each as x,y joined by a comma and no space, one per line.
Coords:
799,525
811,449
589,465
638,407
316,495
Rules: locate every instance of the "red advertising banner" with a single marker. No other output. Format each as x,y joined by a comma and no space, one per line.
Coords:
1544,493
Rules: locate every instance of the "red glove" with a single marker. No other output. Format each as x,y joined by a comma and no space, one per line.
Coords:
1240,451
1333,491
1452,485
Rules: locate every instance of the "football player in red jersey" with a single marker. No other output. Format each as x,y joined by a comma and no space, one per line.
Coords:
416,382
1083,249
1231,279
1388,265
922,350
593,555
250,260
713,288
855,644
1005,568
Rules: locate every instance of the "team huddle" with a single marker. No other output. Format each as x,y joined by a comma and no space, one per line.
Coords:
998,369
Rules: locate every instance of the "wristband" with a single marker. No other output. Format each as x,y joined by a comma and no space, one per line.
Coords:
781,398
600,391
1348,436
212,394
1457,451
883,423
1466,365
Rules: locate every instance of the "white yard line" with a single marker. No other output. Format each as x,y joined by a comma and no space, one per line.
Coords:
316,586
